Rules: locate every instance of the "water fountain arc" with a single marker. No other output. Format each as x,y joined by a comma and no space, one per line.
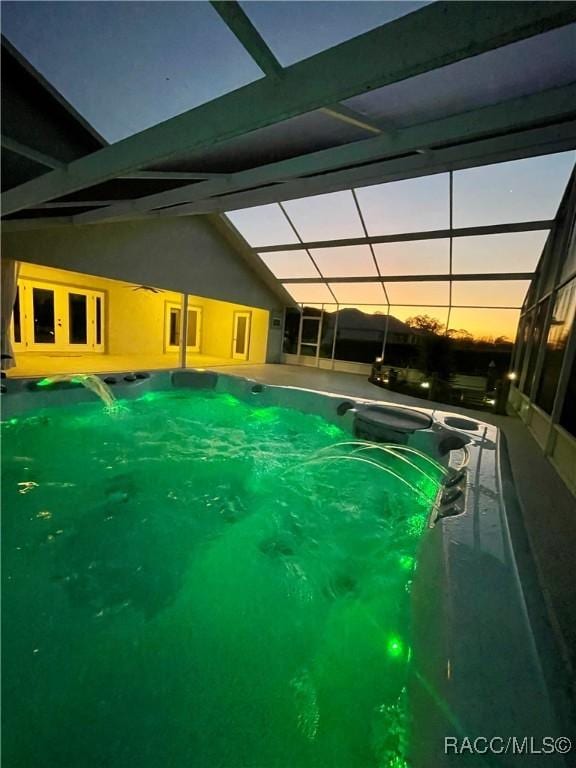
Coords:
89,381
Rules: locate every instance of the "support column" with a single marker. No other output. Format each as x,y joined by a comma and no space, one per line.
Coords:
184,331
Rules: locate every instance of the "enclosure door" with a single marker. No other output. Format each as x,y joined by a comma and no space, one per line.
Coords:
58,318
173,328
310,335
241,335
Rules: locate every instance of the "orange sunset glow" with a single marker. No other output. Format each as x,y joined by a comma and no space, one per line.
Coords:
312,247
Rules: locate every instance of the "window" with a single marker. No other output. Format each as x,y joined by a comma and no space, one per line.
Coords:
561,323
569,266
536,335
521,344
568,414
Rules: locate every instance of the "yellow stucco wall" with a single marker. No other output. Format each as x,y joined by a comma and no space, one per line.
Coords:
134,319
218,326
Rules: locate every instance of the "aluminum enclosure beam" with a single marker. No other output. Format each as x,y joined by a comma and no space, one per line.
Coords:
240,25
539,141
402,237
444,278
31,154
434,36
246,33
75,204
171,175
556,104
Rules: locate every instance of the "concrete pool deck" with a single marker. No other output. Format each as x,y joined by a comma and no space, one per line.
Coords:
545,534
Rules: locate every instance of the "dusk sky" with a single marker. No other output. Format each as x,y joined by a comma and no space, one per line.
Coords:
128,65
517,191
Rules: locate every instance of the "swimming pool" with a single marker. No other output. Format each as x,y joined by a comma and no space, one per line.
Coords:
231,575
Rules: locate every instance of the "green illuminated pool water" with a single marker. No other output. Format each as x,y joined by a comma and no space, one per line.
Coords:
183,587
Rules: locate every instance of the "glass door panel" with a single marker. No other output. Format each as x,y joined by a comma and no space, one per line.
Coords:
241,336
81,316
173,328
194,328
310,334
77,318
98,320
17,321
41,327
43,317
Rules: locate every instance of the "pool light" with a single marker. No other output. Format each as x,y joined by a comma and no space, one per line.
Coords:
395,646
406,562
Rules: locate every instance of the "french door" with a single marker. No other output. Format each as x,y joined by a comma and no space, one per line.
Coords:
57,318
173,328
241,335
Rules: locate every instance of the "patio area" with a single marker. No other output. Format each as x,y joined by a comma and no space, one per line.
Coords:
45,364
